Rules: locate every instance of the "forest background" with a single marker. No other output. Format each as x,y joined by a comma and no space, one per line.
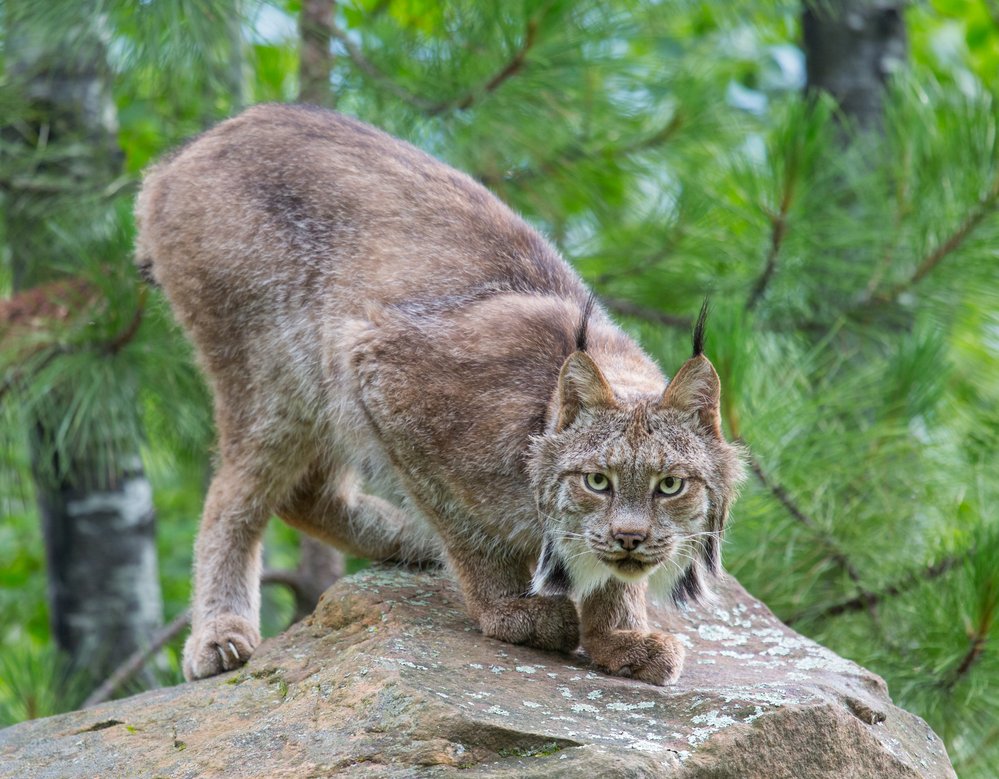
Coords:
828,173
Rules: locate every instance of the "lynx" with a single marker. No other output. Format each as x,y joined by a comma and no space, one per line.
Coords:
403,368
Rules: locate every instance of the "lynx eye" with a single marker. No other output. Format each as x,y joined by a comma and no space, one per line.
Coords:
669,485
598,482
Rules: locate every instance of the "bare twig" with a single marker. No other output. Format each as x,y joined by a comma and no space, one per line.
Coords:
137,660
290,579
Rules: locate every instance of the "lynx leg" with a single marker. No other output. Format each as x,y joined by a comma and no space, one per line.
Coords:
616,635
360,524
226,605
496,595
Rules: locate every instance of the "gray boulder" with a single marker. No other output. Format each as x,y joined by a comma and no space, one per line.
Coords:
390,678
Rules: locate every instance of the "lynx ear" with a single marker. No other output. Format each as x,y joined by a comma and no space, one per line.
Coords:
696,389
581,387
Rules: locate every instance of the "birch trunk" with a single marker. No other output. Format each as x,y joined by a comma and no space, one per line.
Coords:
95,502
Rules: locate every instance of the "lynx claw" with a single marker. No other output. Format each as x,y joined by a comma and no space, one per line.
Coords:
219,645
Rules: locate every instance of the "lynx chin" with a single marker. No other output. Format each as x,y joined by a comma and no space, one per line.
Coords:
405,369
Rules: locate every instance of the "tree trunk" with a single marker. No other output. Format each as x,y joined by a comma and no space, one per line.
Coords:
95,504
319,565
851,49
315,63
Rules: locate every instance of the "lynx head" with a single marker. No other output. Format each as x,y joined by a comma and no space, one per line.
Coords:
634,488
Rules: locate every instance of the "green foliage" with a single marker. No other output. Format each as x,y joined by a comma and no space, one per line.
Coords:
36,681
666,150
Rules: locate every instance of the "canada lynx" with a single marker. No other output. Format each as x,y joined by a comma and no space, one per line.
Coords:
403,368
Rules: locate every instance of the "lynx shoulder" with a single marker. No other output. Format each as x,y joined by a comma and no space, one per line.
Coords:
403,368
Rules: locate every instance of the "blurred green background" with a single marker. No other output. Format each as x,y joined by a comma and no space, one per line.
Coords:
840,214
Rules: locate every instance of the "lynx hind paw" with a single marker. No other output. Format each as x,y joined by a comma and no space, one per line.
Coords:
219,645
655,658
549,623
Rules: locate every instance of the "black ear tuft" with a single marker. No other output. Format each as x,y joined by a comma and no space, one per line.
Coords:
552,575
698,338
584,321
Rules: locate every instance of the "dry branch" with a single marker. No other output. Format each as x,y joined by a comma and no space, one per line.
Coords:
138,659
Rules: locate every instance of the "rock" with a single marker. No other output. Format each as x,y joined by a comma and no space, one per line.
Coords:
390,678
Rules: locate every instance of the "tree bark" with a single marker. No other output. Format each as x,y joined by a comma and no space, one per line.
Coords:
851,49
315,64
95,503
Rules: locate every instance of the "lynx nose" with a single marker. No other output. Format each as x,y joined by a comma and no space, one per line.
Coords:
629,541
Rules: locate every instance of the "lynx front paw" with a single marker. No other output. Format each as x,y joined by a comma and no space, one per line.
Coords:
544,622
218,645
655,658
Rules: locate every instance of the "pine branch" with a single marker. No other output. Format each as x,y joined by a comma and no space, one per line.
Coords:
122,339
514,65
834,552
860,602
978,638
368,68
644,265
38,309
434,108
902,209
984,207
778,231
577,151
626,307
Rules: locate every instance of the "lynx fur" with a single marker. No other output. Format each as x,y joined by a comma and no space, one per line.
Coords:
405,369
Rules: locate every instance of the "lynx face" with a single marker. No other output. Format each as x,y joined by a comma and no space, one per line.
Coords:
633,488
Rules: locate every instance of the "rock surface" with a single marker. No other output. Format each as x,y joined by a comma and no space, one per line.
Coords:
390,678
